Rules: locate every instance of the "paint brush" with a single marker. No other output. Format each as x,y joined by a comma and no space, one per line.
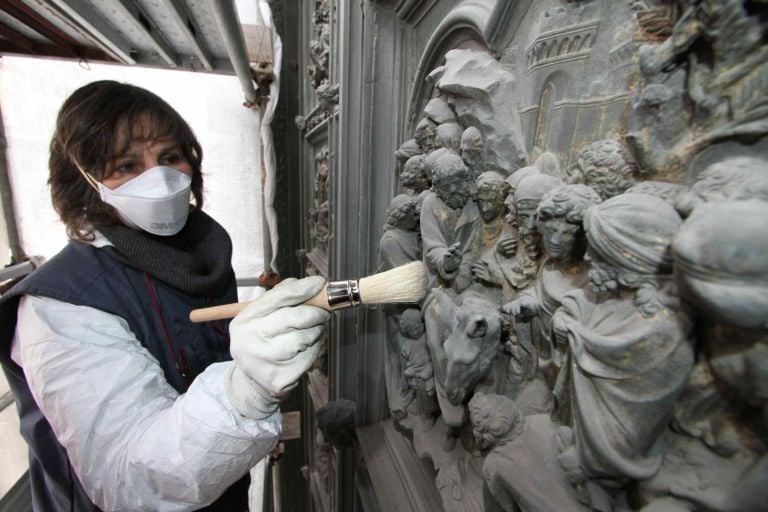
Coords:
404,284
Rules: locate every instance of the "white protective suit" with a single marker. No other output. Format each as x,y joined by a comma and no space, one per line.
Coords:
134,442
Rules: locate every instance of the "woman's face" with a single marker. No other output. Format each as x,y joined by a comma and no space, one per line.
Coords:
143,154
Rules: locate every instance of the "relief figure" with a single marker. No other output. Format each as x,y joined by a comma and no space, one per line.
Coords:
513,180
449,228
449,136
491,191
520,270
472,151
720,261
729,179
521,468
629,343
398,245
528,194
426,135
416,361
605,166
416,177
559,219
449,224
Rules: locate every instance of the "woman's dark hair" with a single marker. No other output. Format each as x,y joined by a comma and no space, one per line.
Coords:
95,126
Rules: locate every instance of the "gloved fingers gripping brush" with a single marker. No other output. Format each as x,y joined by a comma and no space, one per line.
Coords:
404,284
274,340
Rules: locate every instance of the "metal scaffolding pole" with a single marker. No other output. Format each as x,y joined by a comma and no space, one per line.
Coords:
6,196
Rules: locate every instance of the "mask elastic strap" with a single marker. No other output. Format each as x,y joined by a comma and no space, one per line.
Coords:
89,178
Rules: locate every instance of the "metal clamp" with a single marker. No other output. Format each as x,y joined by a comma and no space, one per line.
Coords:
343,294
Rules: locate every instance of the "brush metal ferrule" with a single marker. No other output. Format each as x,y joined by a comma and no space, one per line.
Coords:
343,294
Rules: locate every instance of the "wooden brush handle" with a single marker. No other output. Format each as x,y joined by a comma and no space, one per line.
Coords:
320,300
226,311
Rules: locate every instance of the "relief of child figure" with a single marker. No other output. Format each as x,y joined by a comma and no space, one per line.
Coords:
416,361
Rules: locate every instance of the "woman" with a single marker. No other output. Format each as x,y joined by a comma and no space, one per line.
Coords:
125,404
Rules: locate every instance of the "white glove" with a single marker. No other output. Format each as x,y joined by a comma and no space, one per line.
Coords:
273,342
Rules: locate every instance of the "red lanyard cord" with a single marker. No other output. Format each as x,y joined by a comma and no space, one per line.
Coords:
182,368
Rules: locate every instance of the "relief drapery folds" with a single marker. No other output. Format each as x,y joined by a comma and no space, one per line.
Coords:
596,332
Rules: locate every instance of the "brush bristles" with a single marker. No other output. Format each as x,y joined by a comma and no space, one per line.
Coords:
406,283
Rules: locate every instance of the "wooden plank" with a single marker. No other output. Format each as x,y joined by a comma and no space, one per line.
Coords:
317,386
319,494
291,426
258,43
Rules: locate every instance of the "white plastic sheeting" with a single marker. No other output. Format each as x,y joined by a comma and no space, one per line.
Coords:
269,161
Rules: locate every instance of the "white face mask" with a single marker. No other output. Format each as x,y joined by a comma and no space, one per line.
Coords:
156,200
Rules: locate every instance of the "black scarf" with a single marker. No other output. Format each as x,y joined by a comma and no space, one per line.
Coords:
197,260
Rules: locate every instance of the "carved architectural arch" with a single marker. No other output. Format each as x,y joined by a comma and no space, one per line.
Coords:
554,88
470,26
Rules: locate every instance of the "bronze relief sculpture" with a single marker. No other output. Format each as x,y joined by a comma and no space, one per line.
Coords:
595,336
